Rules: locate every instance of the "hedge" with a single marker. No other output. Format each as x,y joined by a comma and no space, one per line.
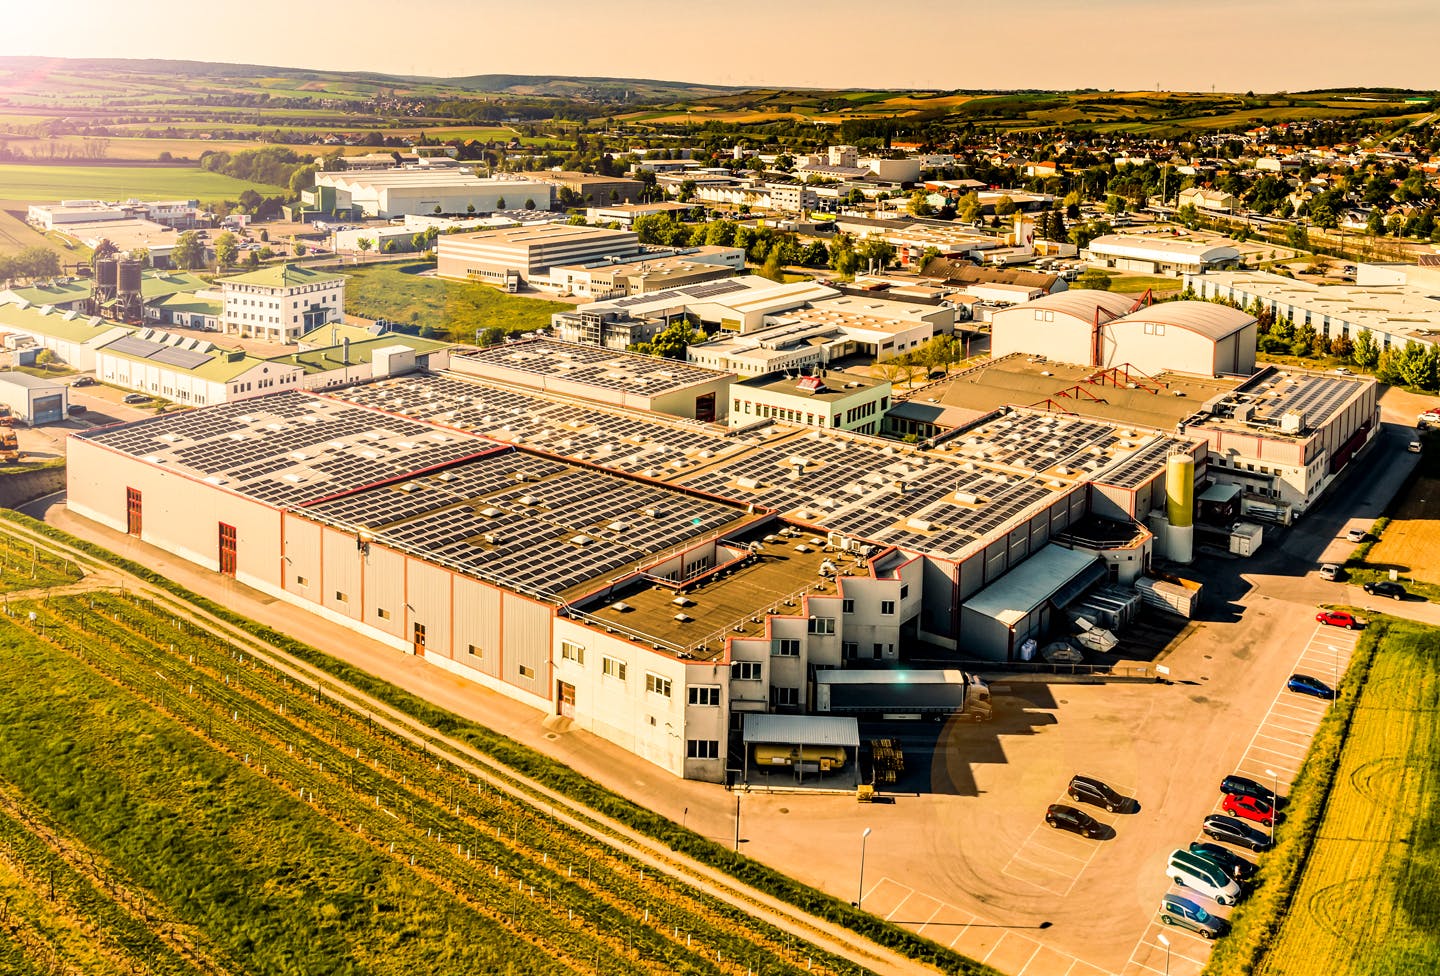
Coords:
554,774
1254,925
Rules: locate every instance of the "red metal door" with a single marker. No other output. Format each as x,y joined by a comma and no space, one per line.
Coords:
132,511
227,549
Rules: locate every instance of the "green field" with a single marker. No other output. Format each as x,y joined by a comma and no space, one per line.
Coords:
43,183
1366,902
454,309
1135,284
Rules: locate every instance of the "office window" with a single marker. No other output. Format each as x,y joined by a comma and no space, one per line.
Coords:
849,650
302,581
382,613
745,670
904,591
702,749
474,651
887,607
782,697
341,597
526,672
656,684
613,668
705,695
848,606
570,651
822,625
786,647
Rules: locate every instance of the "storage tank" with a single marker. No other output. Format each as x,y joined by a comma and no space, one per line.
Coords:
105,276
1180,507
128,277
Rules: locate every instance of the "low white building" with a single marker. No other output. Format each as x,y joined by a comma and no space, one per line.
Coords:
72,337
839,401
188,371
1160,255
521,257
429,189
281,303
33,399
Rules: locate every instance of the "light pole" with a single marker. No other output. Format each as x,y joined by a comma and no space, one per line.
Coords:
860,895
1166,943
1274,801
737,823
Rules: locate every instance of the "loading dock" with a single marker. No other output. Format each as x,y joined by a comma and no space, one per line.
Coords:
801,752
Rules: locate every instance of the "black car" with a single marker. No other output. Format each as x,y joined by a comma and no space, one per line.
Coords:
1237,785
1386,588
1234,831
1061,817
1088,789
83,381
1238,868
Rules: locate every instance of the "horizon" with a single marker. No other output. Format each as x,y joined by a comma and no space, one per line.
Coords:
1388,48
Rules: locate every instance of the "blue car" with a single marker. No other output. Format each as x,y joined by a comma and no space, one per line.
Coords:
1303,684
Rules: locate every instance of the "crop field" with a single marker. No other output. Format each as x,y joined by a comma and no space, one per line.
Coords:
455,308
23,566
1366,902
1411,542
16,235
171,804
42,183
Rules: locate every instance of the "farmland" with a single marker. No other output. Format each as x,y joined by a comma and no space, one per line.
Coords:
1365,905
1411,542
203,811
40,183
455,309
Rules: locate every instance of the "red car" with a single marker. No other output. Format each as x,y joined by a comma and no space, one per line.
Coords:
1338,618
1249,808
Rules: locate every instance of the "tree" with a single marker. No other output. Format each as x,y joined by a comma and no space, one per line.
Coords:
919,204
772,268
499,203
1367,351
672,341
365,244
1005,206
529,203
1376,224
252,259
105,249
227,248
300,249
141,254
875,252
470,207
492,336
188,253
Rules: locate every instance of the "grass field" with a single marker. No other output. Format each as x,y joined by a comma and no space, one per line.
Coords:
454,308
1366,902
1411,542
43,183
16,235
1137,284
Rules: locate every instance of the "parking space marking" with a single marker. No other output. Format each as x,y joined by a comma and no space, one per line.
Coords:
939,908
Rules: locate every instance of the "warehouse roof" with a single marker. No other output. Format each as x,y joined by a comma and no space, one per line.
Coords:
323,358
182,354
30,382
67,326
1171,250
586,365
1082,303
1030,584
1210,319
803,730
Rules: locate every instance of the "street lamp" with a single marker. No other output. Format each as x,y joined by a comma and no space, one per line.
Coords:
860,895
1166,943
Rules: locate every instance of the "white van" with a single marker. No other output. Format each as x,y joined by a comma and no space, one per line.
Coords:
1190,870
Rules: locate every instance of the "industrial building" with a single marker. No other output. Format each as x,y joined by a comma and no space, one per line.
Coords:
1160,255
33,399
281,303
586,189
428,189
72,337
660,270
1404,308
67,214
1097,328
837,401
522,257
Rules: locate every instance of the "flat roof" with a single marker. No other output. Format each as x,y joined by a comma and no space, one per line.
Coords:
594,366
69,326
1274,392
30,382
320,359
1158,248
835,385
1030,584
535,235
1408,310
803,730
282,276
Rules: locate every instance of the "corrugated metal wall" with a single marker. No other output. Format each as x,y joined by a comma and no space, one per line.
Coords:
526,640
477,622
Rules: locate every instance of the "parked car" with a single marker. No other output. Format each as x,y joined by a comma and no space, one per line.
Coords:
1091,790
1355,535
1190,870
1182,912
1233,864
1244,786
1219,826
1249,808
1414,447
83,381
1386,588
136,398
1303,684
1329,571
1337,618
1062,817
75,409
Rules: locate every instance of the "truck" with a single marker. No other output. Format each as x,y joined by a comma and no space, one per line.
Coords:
7,416
9,446
902,693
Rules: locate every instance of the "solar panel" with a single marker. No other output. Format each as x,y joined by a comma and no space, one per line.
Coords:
184,358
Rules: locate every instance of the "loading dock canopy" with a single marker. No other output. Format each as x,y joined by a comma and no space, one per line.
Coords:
1044,575
801,730
1220,494
899,692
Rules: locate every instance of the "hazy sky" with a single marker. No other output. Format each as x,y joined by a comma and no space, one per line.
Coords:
1235,45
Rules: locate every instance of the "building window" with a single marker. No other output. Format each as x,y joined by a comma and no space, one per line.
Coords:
382,614
822,625
904,591
782,697
302,581
702,749
705,695
887,607
341,597
657,685
613,668
745,670
526,671
849,650
570,651
474,651
847,606
786,647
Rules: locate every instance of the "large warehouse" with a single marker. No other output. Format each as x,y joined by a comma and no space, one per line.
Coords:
642,576
430,189
522,257
1160,255
1096,328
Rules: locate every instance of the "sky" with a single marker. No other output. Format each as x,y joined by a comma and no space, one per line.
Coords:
1229,45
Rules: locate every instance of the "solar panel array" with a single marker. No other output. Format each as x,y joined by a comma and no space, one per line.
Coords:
529,523
158,351
627,443
593,366
1317,397
287,449
1141,465
708,289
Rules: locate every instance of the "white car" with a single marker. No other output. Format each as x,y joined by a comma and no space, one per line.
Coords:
1355,535
1189,870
